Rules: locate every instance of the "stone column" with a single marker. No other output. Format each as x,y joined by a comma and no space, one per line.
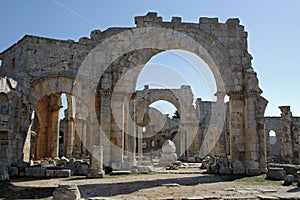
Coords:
69,136
140,140
131,148
237,132
84,139
251,134
78,136
286,144
105,124
117,129
53,126
96,163
126,127
41,138
221,146
262,104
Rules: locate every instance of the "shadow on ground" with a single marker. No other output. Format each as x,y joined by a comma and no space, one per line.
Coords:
112,189
8,191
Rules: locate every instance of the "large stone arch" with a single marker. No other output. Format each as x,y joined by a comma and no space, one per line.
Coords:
182,99
44,98
223,46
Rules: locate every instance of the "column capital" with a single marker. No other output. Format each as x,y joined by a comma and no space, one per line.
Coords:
236,95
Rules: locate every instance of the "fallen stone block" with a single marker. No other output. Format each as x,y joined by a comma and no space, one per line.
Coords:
145,169
3,173
66,192
37,172
13,171
58,173
277,174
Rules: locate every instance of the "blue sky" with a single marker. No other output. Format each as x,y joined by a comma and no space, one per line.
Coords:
273,29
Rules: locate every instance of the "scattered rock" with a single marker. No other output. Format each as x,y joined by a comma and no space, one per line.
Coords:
38,172
66,192
263,197
145,169
58,173
64,161
288,180
13,171
171,185
205,162
274,173
3,173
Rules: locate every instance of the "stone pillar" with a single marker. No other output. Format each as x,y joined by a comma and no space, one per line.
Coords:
47,111
286,144
78,136
251,135
53,132
131,132
84,139
96,163
262,104
105,124
126,127
117,129
140,140
70,134
221,146
237,133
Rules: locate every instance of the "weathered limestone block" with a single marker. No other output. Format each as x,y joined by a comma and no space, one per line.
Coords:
35,172
66,192
58,173
3,173
80,168
168,154
145,169
277,174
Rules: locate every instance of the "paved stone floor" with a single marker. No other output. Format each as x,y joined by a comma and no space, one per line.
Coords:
175,185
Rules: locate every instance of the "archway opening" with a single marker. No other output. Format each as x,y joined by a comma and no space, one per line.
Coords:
173,68
55,130
272,137
165,107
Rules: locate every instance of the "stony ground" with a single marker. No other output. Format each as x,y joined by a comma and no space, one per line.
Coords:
176,185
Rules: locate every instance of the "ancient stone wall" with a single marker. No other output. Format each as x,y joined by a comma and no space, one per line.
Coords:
103,63
285,149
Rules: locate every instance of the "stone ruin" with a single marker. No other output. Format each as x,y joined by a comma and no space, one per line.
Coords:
106,112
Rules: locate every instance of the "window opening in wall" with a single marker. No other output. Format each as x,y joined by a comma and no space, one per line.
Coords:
272,137
13,63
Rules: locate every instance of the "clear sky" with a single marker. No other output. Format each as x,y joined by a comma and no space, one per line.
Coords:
273,29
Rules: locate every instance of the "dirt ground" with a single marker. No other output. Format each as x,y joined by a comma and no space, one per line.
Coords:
153,186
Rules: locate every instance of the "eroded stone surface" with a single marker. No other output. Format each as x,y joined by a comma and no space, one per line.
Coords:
36,71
